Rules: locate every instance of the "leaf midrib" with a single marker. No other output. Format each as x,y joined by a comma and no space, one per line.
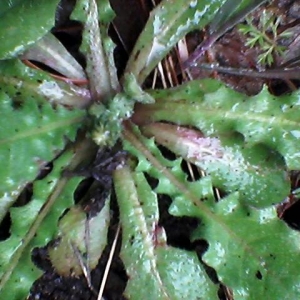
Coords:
39,131
242,115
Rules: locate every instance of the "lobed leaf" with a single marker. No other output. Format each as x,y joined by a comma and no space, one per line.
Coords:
171,179
33,225
163,272
255,172
32,132
254,253
217,110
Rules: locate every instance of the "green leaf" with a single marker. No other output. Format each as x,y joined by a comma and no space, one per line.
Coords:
163,272
133,90
33,225
217,110
6,5
51,52
20,82
254,253
74,240
23,24
170,21
32,130
7,199
250,249
232,12
98,47
258,174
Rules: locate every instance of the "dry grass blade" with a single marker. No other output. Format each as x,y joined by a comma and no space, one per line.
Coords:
109,261
84,266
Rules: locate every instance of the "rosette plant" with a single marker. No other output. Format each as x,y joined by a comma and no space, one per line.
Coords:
239,151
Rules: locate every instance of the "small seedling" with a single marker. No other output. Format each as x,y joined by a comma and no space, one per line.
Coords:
265,36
